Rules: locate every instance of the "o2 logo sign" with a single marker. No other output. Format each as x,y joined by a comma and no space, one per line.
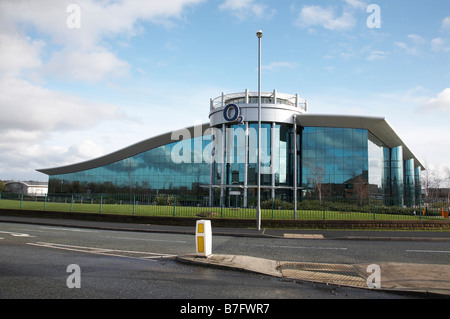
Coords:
232,113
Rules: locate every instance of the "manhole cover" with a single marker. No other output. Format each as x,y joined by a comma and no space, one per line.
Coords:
327,273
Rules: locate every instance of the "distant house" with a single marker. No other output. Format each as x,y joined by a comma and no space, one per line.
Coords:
27,188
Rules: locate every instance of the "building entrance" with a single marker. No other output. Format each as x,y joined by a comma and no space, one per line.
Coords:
234,200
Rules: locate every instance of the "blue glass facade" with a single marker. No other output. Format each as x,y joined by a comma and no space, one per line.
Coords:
417,187
331,162
222,165
335,158
334,161
398,178
386,176
236,152
302,156
409,183
152,171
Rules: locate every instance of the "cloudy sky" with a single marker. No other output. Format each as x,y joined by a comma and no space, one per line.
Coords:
83,78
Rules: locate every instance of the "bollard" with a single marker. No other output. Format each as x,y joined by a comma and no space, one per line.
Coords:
203,238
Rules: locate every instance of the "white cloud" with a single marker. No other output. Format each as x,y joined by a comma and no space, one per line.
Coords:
79,52
90,66
416,39
28,107
86,149
275,66
242,9
446,24
376,55
357,4
415,45
99,19
313,16
441,102
404,47
31,114
37,47
19,53
440,45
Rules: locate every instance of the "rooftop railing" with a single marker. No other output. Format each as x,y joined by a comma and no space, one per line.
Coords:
266,98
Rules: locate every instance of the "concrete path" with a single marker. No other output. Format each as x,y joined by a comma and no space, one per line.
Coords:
403,277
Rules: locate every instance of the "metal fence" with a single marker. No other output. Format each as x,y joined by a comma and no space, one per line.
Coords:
182,206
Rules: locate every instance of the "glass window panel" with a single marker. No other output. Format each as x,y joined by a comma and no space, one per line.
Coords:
340,153
153,170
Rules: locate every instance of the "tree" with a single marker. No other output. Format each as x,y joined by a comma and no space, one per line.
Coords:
360,189
432,181
317,174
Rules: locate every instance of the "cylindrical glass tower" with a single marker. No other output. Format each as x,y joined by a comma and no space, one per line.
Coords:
234,137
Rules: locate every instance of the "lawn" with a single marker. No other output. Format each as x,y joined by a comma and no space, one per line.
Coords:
208,212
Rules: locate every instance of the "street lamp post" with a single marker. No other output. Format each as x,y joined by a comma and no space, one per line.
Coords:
259,34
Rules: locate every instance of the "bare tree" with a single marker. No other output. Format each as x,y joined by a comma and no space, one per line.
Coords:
317,174
360,189
432,181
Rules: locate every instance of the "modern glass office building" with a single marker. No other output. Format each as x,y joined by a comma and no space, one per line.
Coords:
303,155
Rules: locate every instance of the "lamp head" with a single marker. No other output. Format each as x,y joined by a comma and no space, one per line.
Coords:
259,34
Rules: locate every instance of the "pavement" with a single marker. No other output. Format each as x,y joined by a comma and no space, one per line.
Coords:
393,277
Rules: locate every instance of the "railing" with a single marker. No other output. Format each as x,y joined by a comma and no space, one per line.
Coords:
266,98
182,206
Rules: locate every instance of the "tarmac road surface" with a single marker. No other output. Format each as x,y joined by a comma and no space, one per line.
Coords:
35,262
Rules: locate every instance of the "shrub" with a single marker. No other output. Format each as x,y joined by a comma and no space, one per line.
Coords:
164,200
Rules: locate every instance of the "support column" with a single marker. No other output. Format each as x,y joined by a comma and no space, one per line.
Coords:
386,177
417,187
211,170
393,193
408,180
272,158
295,166
246,167
397,175
222,179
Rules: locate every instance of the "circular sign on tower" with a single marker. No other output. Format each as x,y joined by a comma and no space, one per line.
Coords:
232,113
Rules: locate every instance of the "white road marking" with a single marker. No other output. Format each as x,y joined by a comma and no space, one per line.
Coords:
105,251
312,247
304,236
429,251
69,229
297,247
30,230
148,239
14,234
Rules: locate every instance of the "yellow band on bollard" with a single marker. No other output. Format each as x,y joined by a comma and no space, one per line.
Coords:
201,244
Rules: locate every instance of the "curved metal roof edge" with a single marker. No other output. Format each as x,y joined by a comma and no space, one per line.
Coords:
377,126
124,153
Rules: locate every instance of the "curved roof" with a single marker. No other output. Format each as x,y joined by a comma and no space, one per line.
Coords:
380,132
122,154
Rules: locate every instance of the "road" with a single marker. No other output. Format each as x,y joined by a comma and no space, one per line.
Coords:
34,261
